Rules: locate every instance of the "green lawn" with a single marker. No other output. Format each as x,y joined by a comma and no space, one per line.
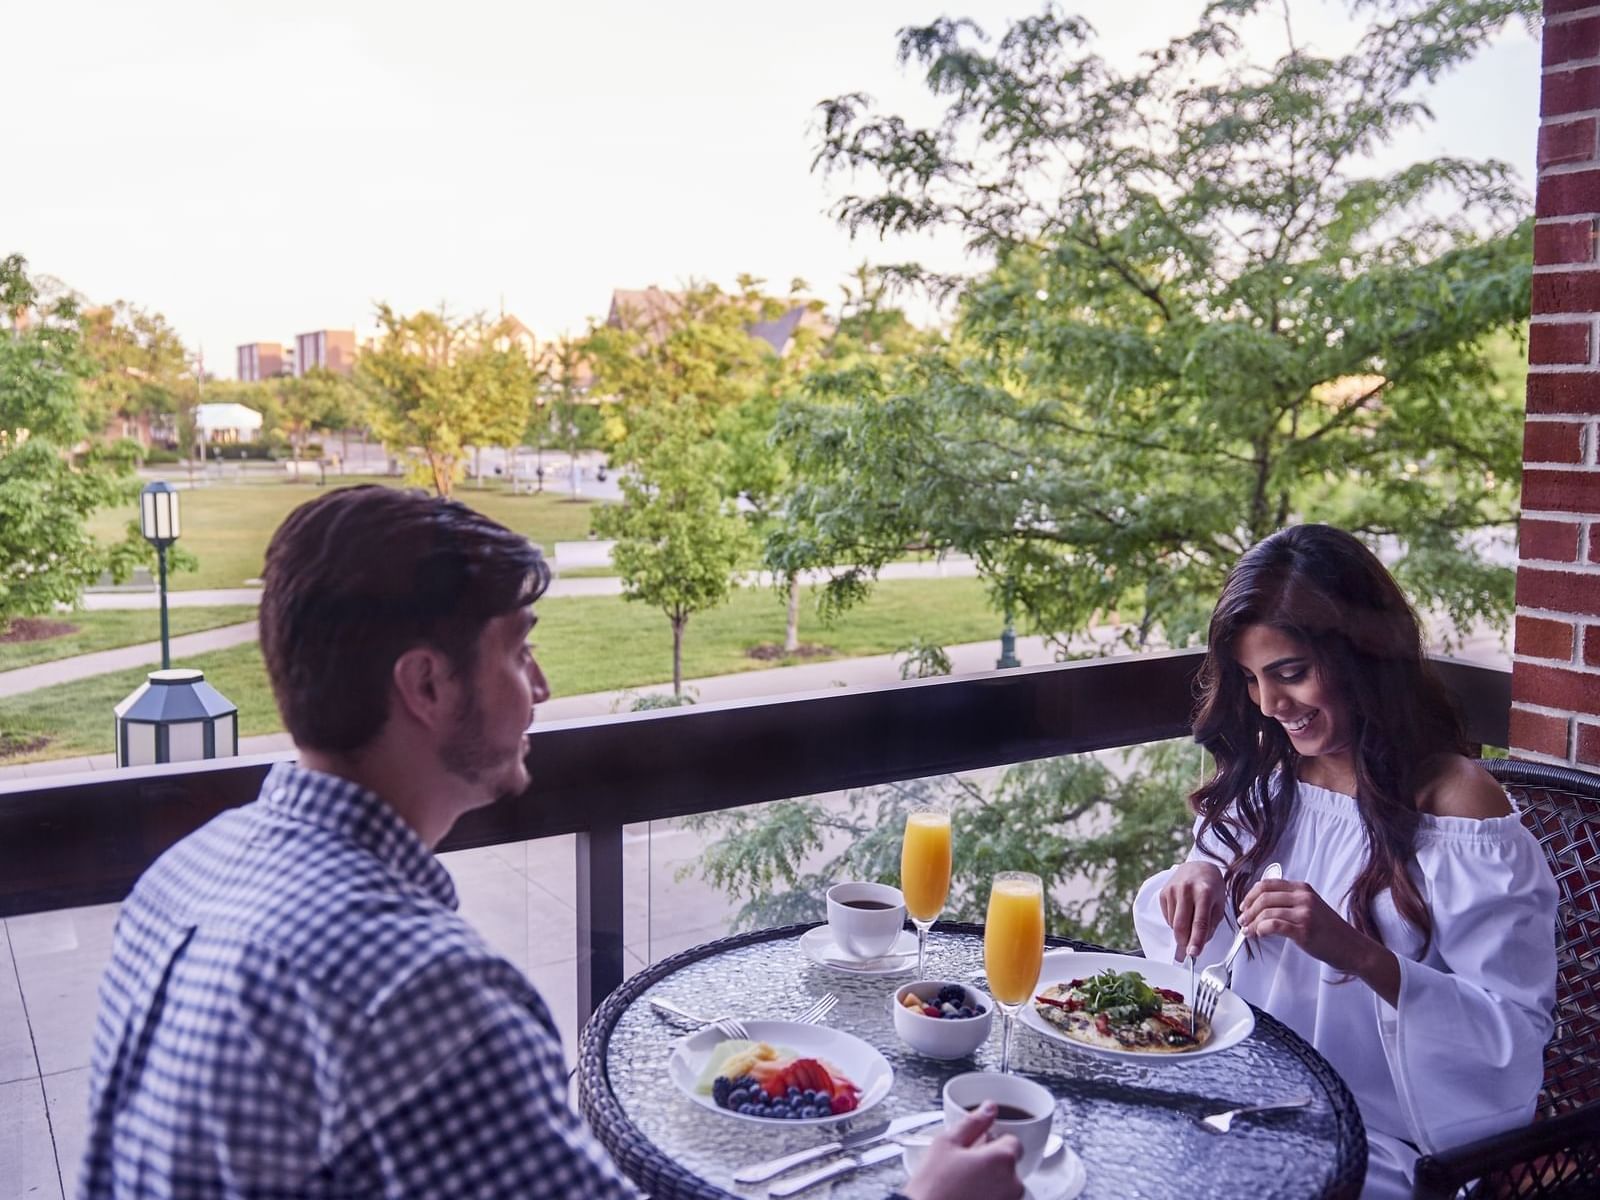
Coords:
108,630
589,644
227,525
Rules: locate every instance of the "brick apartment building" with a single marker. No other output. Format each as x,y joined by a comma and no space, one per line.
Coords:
261,360
331,349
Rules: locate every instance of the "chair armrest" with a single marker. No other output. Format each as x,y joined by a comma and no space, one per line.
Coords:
1440,1176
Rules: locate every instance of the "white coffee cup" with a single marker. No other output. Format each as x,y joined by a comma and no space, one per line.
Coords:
966,1092
865,932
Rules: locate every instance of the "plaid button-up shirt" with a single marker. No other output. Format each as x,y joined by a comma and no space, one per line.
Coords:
294,1009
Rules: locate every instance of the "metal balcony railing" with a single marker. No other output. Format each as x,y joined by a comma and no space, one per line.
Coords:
86,839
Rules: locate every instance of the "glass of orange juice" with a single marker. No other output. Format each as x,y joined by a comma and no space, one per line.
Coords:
1013,947
925,871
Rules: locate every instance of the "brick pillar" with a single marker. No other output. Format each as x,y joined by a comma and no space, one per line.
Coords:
1555,687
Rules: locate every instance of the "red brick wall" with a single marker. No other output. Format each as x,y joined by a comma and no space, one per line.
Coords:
1555,682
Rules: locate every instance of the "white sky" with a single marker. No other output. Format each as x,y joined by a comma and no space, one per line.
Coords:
256,170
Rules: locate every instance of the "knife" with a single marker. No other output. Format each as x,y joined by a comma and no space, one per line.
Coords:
850,1141
844,1166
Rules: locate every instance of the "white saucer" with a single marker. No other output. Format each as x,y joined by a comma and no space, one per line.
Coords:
1060,1175
820,948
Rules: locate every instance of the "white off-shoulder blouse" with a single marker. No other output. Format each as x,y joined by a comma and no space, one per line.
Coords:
1461,1056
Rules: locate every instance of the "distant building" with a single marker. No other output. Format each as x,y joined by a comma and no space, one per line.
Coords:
331,349
651,310
514,335
261,360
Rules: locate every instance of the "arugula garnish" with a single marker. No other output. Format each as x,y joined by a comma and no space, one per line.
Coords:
1121,995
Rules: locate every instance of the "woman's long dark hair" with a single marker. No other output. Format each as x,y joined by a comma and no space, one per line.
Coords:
1322,586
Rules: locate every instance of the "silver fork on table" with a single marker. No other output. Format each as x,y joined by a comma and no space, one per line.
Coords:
1223,1121
729,1027
1218,977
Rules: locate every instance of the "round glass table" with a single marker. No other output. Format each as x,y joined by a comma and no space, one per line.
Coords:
1136,1128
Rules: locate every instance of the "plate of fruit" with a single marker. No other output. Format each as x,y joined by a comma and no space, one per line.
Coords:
783,1073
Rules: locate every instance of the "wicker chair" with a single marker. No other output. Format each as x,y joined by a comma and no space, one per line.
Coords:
1559,1154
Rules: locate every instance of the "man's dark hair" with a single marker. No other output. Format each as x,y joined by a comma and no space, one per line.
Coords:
356,578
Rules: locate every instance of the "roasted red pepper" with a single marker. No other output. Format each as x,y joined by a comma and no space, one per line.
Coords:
1071,1003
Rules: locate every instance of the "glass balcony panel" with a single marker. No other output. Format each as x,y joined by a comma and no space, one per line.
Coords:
752,867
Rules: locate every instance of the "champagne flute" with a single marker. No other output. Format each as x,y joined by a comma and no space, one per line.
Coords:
1013,947
925,872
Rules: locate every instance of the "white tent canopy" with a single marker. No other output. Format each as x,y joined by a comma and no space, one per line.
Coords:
233,421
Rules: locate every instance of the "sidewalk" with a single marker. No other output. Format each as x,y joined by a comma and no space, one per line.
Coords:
596,585
103,662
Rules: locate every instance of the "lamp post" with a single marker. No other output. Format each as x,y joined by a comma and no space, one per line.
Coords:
158,521
1008,645
538,425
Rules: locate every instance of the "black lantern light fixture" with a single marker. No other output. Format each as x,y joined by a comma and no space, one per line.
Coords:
158,521
175,716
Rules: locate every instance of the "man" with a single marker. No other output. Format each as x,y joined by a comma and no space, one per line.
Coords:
293,1007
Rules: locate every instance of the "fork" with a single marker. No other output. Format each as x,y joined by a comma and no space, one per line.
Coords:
730,1028
1223,1121
1218,977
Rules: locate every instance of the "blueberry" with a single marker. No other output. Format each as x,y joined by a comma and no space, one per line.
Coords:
747,1109
792,1092
952,993
738,1096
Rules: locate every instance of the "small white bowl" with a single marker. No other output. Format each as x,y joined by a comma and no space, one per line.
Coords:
936,1037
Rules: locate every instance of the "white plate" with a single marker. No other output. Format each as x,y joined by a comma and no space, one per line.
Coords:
820,948
1230,1025
861,1064
1059,1176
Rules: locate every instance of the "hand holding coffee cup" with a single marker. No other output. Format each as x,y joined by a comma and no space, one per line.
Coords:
865,918
1027,1110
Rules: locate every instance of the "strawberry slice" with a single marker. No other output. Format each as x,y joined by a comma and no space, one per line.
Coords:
814,1075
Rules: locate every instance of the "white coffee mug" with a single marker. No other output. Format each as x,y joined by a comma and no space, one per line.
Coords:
865,918
966,1092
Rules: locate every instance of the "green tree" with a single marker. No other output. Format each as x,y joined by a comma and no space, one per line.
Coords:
758,471
678,538
301,406
438,384
52,477
693,355
561,414
1199,314
138,366
1203,316
1049,817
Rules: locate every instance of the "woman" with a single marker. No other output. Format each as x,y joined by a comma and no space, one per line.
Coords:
1412,936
